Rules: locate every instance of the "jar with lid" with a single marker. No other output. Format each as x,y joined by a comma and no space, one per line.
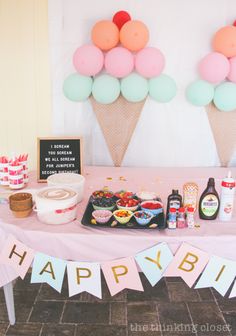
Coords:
172,219
181,222
190,217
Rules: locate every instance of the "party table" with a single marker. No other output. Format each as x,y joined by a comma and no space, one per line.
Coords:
75,241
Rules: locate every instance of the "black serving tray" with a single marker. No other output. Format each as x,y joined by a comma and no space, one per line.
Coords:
132,224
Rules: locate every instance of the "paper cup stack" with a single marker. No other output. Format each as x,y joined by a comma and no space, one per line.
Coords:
14,173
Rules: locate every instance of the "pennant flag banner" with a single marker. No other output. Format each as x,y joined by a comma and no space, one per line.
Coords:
233,292
84,277
189,263
219,274
121,274
154,261
48,269
17,255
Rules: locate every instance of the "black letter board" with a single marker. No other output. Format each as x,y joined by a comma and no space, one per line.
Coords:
59,155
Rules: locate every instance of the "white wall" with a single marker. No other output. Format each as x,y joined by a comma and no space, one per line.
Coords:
25,97
173,134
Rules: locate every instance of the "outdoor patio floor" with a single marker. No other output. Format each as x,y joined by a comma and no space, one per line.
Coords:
168,309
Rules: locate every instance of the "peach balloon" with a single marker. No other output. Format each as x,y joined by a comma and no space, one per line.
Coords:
105,35
224,41
134,35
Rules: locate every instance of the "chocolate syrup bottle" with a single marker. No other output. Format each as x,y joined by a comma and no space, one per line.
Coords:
209,203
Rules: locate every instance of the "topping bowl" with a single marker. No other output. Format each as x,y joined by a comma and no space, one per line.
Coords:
127,204
123,216
155,207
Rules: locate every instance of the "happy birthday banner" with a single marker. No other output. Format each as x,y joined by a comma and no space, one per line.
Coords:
193,265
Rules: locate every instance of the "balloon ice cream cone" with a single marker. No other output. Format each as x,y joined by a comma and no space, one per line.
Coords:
223,127
132,71
216,90
117,121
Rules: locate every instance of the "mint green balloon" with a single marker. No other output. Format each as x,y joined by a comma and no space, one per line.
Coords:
162,88
77,87
200,93
106,89
134,88
225,97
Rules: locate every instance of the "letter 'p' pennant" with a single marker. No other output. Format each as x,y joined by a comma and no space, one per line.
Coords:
188,263
121,274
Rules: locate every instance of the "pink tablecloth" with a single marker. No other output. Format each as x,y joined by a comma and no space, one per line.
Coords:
76,242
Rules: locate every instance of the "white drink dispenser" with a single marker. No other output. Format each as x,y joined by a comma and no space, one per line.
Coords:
227,198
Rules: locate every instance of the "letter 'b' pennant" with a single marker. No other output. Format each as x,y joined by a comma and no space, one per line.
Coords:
188,263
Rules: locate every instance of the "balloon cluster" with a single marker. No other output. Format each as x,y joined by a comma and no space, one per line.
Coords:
131,69
218,73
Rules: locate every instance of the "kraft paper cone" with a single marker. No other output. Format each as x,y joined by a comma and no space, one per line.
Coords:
223,125
117,121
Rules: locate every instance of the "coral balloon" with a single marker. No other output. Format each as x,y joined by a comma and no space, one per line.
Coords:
120,18
232,71
134,88
149,62
225,97
88,60
214,67
134,35
162,88
119,62
77,87
200,93
224,41
105,35
106,89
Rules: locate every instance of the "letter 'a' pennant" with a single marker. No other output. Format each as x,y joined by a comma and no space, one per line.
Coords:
188,263
49,270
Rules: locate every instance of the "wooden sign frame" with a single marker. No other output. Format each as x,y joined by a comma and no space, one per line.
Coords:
39,139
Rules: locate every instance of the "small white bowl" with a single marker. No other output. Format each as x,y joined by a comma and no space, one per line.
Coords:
147,195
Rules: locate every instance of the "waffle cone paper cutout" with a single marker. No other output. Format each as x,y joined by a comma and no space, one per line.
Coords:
117,121
223,125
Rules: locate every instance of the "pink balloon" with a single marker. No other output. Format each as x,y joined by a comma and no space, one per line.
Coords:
214,67
232,71
88,60
149,62
119,62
